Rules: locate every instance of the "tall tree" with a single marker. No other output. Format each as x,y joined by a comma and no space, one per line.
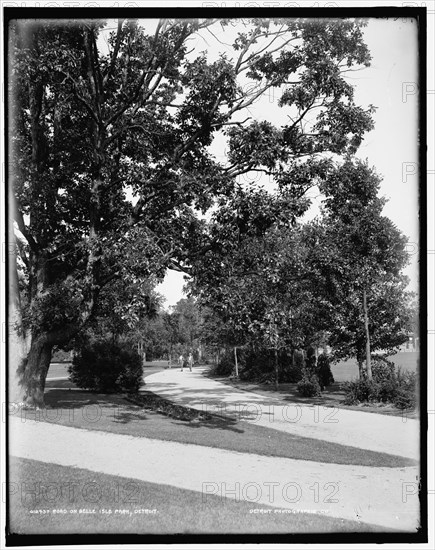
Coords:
369,253
187,315
261,287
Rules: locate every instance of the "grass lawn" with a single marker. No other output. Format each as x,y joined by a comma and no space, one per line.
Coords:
112,413
58,370
348,370
111,504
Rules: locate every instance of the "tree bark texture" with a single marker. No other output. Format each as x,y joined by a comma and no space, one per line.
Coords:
33,371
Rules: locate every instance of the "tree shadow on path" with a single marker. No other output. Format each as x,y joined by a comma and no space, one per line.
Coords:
107,412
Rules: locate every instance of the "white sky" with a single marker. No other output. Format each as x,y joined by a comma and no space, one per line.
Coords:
391,147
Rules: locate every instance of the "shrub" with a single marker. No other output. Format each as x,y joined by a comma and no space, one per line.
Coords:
360,391
310,362
106,367
309,386
258,365
383,370
226,364
387,386
324,373
292,367
131,376
406,396
253,373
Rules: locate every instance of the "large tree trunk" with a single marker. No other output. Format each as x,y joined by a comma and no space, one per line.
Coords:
16,337
33,371
367,333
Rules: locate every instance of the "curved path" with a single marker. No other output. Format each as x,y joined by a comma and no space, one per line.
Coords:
382,496
378,495
376,432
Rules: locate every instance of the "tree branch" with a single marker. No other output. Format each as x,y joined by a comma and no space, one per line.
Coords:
115,52
79,97
23,230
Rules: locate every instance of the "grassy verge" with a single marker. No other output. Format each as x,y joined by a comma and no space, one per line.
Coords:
112,413
79,501
333,396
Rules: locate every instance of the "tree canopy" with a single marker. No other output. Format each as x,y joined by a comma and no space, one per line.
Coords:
336,280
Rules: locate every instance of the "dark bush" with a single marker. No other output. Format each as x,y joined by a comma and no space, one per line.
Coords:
106,367
131,376
298,359
310,362
292,364
309,386
384,375
257,364
360,391
226,364
406,395
324,373
253,363
254,373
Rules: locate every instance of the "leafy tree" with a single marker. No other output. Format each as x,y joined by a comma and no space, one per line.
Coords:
153,337
110,159
367,253
188,316
261,289
218,331
335,280
123,310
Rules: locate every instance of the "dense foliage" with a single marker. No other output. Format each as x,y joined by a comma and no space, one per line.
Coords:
257,364
389,385
336,280
309,386
106,367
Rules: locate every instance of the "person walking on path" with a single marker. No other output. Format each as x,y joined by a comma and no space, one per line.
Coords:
190,361
180,361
